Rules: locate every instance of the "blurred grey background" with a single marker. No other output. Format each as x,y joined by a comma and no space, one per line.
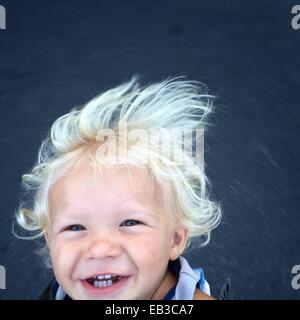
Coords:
55,55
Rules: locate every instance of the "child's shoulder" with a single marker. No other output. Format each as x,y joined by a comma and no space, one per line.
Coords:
199,295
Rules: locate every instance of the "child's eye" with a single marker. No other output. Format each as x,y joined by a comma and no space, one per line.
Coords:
74,227
129,223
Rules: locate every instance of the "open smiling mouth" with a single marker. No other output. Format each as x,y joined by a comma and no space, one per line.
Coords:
106,280
104,284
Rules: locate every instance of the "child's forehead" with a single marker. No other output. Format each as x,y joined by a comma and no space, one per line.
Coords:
119,184
132,176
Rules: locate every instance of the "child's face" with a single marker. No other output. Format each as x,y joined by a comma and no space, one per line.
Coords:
113,223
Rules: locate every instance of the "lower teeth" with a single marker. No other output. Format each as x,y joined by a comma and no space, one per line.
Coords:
103,284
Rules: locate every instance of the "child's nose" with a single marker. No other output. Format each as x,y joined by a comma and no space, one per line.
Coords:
102,247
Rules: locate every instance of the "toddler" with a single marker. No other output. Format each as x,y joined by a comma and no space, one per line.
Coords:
118,194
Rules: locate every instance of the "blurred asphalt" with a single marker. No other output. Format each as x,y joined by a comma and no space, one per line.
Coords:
56,54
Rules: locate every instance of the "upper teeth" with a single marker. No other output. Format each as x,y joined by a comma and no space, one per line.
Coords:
105,276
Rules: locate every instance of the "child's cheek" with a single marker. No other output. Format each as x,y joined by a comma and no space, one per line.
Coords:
62,256
151,247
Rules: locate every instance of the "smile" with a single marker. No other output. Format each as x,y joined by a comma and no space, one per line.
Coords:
104,284
105,280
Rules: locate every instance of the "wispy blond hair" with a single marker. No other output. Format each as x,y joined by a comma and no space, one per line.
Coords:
174,103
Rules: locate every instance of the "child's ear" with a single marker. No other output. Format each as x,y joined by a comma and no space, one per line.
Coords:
179,240
46,235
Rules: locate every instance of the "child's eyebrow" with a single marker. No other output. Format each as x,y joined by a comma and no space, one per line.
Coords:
126,208
129,207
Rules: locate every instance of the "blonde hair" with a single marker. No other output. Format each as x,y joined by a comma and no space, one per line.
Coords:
171,104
